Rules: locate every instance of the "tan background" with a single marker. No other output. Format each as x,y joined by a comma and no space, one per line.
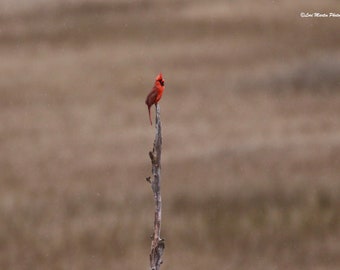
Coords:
251,156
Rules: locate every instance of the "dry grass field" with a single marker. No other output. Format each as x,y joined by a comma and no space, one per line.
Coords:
251,134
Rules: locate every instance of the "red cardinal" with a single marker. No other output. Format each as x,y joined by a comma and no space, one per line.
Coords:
156,93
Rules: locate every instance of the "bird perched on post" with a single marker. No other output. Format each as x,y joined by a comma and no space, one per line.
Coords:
156,93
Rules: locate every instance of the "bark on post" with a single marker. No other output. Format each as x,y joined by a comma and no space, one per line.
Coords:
157,243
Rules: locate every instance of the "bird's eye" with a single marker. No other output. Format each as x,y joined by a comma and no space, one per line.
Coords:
161,82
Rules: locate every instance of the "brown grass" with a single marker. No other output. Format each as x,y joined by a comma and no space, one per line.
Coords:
251,134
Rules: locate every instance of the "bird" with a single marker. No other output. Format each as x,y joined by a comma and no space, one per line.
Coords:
156,93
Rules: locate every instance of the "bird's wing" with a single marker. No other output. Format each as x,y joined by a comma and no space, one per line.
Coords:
151,98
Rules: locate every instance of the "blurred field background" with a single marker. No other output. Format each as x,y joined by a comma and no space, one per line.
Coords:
251,134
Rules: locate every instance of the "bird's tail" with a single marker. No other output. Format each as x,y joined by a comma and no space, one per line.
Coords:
150,115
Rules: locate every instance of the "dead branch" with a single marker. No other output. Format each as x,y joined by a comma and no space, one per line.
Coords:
157,243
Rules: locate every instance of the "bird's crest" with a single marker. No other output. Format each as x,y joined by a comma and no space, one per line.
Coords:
159,77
